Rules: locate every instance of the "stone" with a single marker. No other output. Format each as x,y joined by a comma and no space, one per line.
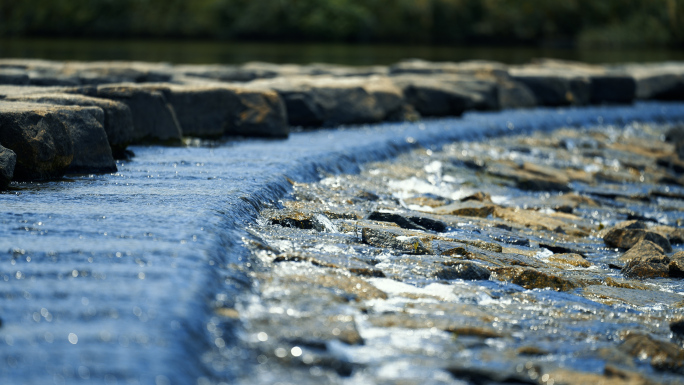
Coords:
673,234
312,330
554,87
118,121
636,297
39,137
212,111
469,208
646,269
626,238
92,153
571,259
663,81
462,270
676,266
154,119
663,355
13,76
531,278
446,95
409,221
330,101
645,260
8,160
644,250
386,238
355,288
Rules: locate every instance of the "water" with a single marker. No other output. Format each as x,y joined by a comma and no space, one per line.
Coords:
189,51
114,278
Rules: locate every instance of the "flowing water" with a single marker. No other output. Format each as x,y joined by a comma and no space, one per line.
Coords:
115,278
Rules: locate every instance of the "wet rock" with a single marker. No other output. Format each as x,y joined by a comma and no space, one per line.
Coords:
469,208
395,240
462,270
610,376
645,260
673,234
354,288
483,376
532,178
293,218
626,238
646,269
312,331
154,120
428,200
539,221
663,355
570,259
530,278
409,222
118,122
353,265
644,250
39,137
636,297
8,160
677,327
448,324
676,266
92,153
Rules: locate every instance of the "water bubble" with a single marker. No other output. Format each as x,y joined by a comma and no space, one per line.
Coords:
263,337
296,351
73,338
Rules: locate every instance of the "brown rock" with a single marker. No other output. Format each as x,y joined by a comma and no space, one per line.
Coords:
530,278
462,270
663,355
673,234
354,287
570,259
626,238
645,250
469,208
408,244
8,160
645,260
676,266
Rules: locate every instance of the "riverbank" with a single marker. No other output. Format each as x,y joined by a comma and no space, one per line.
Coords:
90,111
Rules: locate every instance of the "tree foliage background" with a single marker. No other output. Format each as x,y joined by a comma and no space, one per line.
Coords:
559,22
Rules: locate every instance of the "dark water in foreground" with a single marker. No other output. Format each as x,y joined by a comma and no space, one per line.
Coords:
188,51
113,278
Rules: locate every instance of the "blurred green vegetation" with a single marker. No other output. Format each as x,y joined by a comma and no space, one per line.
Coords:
588,23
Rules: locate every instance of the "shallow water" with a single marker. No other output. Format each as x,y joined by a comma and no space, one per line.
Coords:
113,278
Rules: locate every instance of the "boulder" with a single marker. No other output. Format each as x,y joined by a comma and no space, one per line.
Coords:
118,122
626,238
330,101
663,81
212,111
446,94
154,119
531,278
8,159
553,87
676,266
645,260
92,153
13,76
39,137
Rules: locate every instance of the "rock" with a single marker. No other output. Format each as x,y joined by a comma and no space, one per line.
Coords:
663,81
389,239
675,134
462,270
39,137
469,208
92,153
329,101
610,376
446,95
13,77
530,278
677,327
571,259
636,297
552,87
673,234
645,260
605,85
212,111
355,288
409,222
311,330
626,238
154,120
676,266
118,122
8,160
663,355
